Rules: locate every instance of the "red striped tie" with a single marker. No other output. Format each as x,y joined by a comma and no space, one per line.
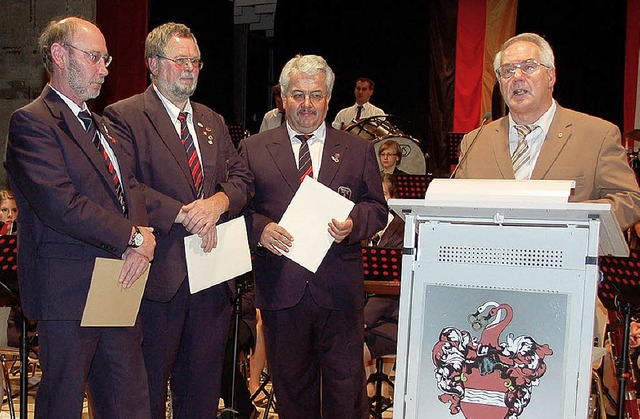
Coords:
304,158
192,154
89,125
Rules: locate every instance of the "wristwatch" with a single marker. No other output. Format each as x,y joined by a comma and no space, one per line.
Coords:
137,239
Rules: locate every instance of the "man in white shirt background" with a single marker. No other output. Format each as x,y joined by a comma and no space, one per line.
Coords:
362,108
275,117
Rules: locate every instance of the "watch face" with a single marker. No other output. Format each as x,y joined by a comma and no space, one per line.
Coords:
138,238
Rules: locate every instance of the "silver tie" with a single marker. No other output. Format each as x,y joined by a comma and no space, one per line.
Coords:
522,154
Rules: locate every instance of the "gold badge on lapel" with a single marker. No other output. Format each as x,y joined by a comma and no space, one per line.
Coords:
336,157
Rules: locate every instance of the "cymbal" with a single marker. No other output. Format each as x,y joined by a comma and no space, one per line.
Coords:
633,134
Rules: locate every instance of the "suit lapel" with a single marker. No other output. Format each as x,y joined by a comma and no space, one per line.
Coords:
70,125
120,158
157,114
332,157
206,143
501,150
560,131
281,152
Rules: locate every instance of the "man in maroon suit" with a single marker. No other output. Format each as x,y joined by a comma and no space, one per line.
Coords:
313,322
78,200
193,178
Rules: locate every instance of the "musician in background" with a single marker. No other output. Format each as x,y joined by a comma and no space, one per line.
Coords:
275,117
381,311
362,108
8,212
390,155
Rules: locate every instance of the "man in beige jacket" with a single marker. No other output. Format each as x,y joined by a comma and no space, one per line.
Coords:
558,143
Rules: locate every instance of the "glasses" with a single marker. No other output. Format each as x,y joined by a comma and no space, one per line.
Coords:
507,71
315,97
94,56
183,61
384,155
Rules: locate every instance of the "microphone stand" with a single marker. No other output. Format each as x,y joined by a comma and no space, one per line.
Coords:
485,118
624,373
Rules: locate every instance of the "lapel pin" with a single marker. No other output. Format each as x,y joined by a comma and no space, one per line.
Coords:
336,157
560,135
208,129
200,124
210,139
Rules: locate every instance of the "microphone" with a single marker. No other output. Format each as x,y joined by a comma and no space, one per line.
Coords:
485,118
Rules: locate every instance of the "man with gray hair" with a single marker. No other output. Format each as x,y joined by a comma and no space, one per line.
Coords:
313,322
193,179
78,201
540,139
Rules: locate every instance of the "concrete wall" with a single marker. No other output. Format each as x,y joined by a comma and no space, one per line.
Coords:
22,75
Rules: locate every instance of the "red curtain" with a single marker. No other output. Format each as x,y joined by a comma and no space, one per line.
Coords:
124,24
483,25
469,64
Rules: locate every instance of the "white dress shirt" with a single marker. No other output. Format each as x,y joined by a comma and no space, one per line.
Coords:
348,115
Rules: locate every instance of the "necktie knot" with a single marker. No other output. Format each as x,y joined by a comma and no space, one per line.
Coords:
85,117
303,138
524,130
182,117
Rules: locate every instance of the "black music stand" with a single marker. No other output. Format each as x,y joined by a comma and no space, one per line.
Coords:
453,146
412,186
9,281
381,264
619,291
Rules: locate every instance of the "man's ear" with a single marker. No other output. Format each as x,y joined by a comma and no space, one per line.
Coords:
152,64
552,78
59,55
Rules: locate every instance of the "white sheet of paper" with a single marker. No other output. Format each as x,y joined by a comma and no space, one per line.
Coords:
228,260
307,219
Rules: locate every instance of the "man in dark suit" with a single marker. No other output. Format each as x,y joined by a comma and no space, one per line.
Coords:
312,321
193,178
78,201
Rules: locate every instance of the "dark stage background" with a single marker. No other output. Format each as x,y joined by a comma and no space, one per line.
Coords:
407,48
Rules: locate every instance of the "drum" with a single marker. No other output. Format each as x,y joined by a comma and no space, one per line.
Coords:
373,127
413,161
379,129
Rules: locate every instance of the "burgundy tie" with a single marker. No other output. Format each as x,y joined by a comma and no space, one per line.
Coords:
359,112
192,154
89,125
304,158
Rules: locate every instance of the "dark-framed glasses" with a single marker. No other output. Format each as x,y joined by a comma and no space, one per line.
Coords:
315,97
184,61
94,57
506,71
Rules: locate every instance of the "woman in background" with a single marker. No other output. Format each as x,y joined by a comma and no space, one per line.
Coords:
8,212
390,156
